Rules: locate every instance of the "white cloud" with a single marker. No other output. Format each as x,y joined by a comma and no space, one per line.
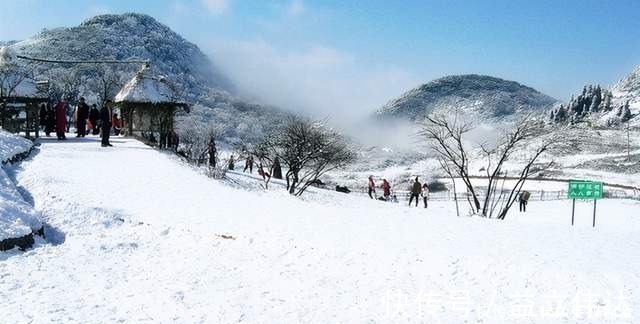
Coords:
296,8
216,7
320,80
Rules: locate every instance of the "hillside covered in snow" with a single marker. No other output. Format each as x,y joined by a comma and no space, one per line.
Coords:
139,37
628,90
482,97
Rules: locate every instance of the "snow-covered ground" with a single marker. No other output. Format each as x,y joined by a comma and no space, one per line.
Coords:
137,236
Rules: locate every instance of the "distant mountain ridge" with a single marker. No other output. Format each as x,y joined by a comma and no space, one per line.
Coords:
129,36
479,95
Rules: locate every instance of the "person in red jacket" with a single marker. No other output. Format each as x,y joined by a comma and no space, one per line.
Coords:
61,119
372,187
116,124
386,189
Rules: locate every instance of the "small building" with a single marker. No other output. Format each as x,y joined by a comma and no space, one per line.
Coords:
20,109
148,105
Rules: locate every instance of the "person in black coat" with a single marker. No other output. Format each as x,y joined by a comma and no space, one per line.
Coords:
81,118
42,116
105,120
94,115
50,125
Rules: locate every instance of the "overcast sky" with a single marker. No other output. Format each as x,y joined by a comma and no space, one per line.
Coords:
353,56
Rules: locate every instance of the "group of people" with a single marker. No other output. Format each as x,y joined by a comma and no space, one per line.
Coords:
417,190
87,120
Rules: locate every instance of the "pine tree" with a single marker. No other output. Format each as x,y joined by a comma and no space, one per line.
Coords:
626,113
606,106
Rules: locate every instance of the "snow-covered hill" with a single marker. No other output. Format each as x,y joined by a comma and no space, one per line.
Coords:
128,36
480,96
134,36
628,89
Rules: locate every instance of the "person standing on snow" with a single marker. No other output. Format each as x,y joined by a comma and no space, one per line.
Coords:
116,124
386,189
51,120
416,190
61,119
524,199
94,115
277,168
105,120
372,187
82,114
231,163
425,194
248,164
42,116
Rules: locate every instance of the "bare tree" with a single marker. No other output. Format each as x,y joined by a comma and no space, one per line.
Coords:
12,71
66,84
309,150
447,170
195,139
445,135
447,138
106,82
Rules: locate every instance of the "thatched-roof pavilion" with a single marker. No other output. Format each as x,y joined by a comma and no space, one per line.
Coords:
148,105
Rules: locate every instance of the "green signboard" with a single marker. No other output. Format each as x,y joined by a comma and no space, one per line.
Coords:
585,189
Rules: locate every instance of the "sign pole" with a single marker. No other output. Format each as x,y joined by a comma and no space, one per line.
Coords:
573,210
594,212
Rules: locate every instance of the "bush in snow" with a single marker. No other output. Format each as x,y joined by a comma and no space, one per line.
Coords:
308,150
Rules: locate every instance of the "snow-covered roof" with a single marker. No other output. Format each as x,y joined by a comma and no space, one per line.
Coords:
144,88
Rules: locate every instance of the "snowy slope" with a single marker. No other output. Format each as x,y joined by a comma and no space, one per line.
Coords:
628,89
480,96
11,145
17,217
153,241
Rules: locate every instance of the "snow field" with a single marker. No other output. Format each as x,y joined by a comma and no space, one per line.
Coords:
144,242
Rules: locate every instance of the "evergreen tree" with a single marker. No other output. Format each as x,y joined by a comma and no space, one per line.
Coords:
626,113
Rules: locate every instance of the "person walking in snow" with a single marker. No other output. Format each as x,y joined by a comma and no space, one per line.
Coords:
94,115
386,189
61,119
82,114
425,194
524,199
265,175
372,187
248,164
105,120
416,190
